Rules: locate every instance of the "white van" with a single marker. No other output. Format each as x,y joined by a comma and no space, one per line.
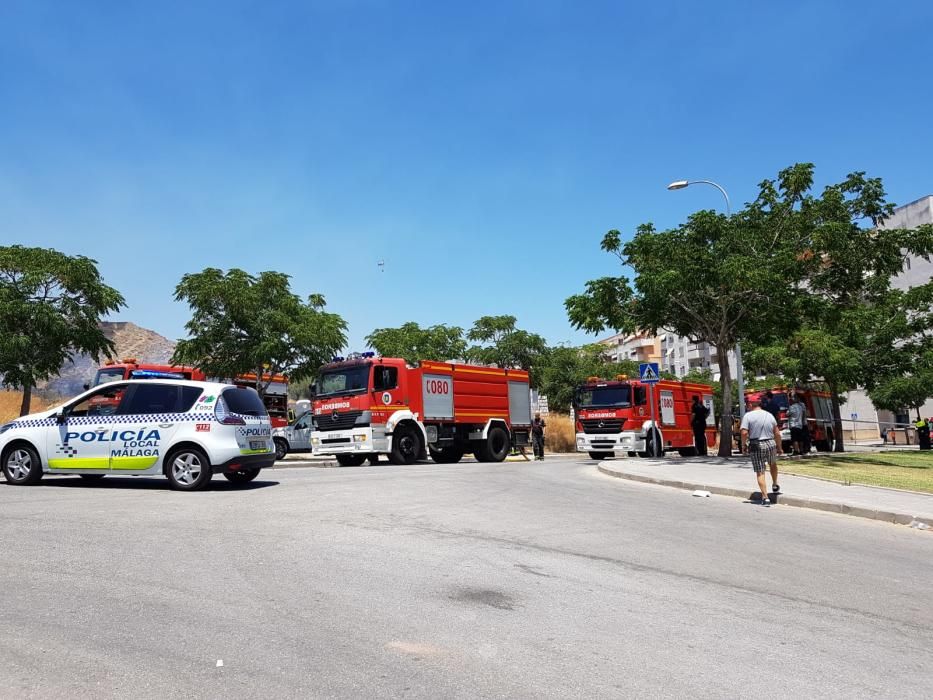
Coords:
186,430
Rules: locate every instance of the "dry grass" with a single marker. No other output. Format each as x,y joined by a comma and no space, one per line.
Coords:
560,435
895,469
10,402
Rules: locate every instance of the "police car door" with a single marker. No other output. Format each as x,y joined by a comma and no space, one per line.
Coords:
145,425
300,439
80,441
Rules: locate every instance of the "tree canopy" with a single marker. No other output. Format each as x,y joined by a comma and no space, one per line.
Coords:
414,343
805,279
716,279
562,368
498,341
51,305
245,324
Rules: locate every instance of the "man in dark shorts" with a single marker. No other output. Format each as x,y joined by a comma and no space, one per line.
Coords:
761,438
537,436
797,422
698,414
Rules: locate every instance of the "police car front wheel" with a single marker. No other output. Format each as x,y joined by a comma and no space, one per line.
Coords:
188,469
21,466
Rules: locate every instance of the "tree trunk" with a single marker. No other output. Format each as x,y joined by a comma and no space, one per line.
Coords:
725,425
259,385
837,421
27,400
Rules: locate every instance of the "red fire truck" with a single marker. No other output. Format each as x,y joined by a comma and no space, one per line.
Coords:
275,399
368,406
819,414
615,416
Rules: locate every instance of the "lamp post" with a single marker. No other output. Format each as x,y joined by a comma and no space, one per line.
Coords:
739,369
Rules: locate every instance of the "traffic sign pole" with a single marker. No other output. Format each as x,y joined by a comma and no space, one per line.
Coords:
653,409
650,375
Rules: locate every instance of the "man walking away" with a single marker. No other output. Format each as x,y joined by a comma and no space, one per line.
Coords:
761,438
797,422
699,413
537,436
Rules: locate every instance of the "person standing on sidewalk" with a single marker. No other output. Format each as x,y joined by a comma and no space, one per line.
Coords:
797,422
698,414
537,436
761,438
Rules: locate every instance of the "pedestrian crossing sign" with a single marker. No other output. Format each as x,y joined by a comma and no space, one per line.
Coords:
649,372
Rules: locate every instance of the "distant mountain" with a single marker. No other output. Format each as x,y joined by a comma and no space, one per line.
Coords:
130,341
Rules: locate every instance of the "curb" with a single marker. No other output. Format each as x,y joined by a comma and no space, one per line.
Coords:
305,464
795,501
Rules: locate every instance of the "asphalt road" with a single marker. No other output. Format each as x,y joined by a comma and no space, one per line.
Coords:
471,580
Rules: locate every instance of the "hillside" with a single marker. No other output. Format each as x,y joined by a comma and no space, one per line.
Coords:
130,340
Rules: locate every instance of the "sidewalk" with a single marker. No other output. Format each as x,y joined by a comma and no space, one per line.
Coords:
734,477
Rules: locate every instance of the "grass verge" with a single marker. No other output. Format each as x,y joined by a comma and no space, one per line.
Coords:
896,470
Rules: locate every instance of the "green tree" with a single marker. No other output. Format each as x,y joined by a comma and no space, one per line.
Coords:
854,328
414,343
907,391
561,369
501,343
50,309
243,324
712,279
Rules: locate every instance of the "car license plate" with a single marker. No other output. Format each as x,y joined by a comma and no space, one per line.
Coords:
257,444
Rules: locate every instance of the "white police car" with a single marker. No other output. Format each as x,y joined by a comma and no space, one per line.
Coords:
186,430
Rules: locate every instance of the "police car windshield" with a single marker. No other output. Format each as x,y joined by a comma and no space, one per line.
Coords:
105,376
348,380
604,396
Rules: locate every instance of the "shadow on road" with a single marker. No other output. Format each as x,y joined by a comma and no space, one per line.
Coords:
218,483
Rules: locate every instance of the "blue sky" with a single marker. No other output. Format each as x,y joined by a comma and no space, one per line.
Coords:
481,149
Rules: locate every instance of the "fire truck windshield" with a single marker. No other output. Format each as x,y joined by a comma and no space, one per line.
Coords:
347,380
604,396
105,376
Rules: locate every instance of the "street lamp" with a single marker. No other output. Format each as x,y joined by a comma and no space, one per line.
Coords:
739,369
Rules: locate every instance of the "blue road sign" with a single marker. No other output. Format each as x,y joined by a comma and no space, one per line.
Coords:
649,372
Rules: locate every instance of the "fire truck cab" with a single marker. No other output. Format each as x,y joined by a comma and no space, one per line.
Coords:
368,406
615,416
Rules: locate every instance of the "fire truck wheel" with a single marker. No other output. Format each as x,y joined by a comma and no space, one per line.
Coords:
406,445
451,454
601,455
351,460
281,448
652,446
479,451
497,444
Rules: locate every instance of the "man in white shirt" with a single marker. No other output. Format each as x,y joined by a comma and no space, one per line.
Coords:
761,438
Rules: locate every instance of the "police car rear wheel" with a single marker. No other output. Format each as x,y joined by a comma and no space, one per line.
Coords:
21,466
242,477
188,469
